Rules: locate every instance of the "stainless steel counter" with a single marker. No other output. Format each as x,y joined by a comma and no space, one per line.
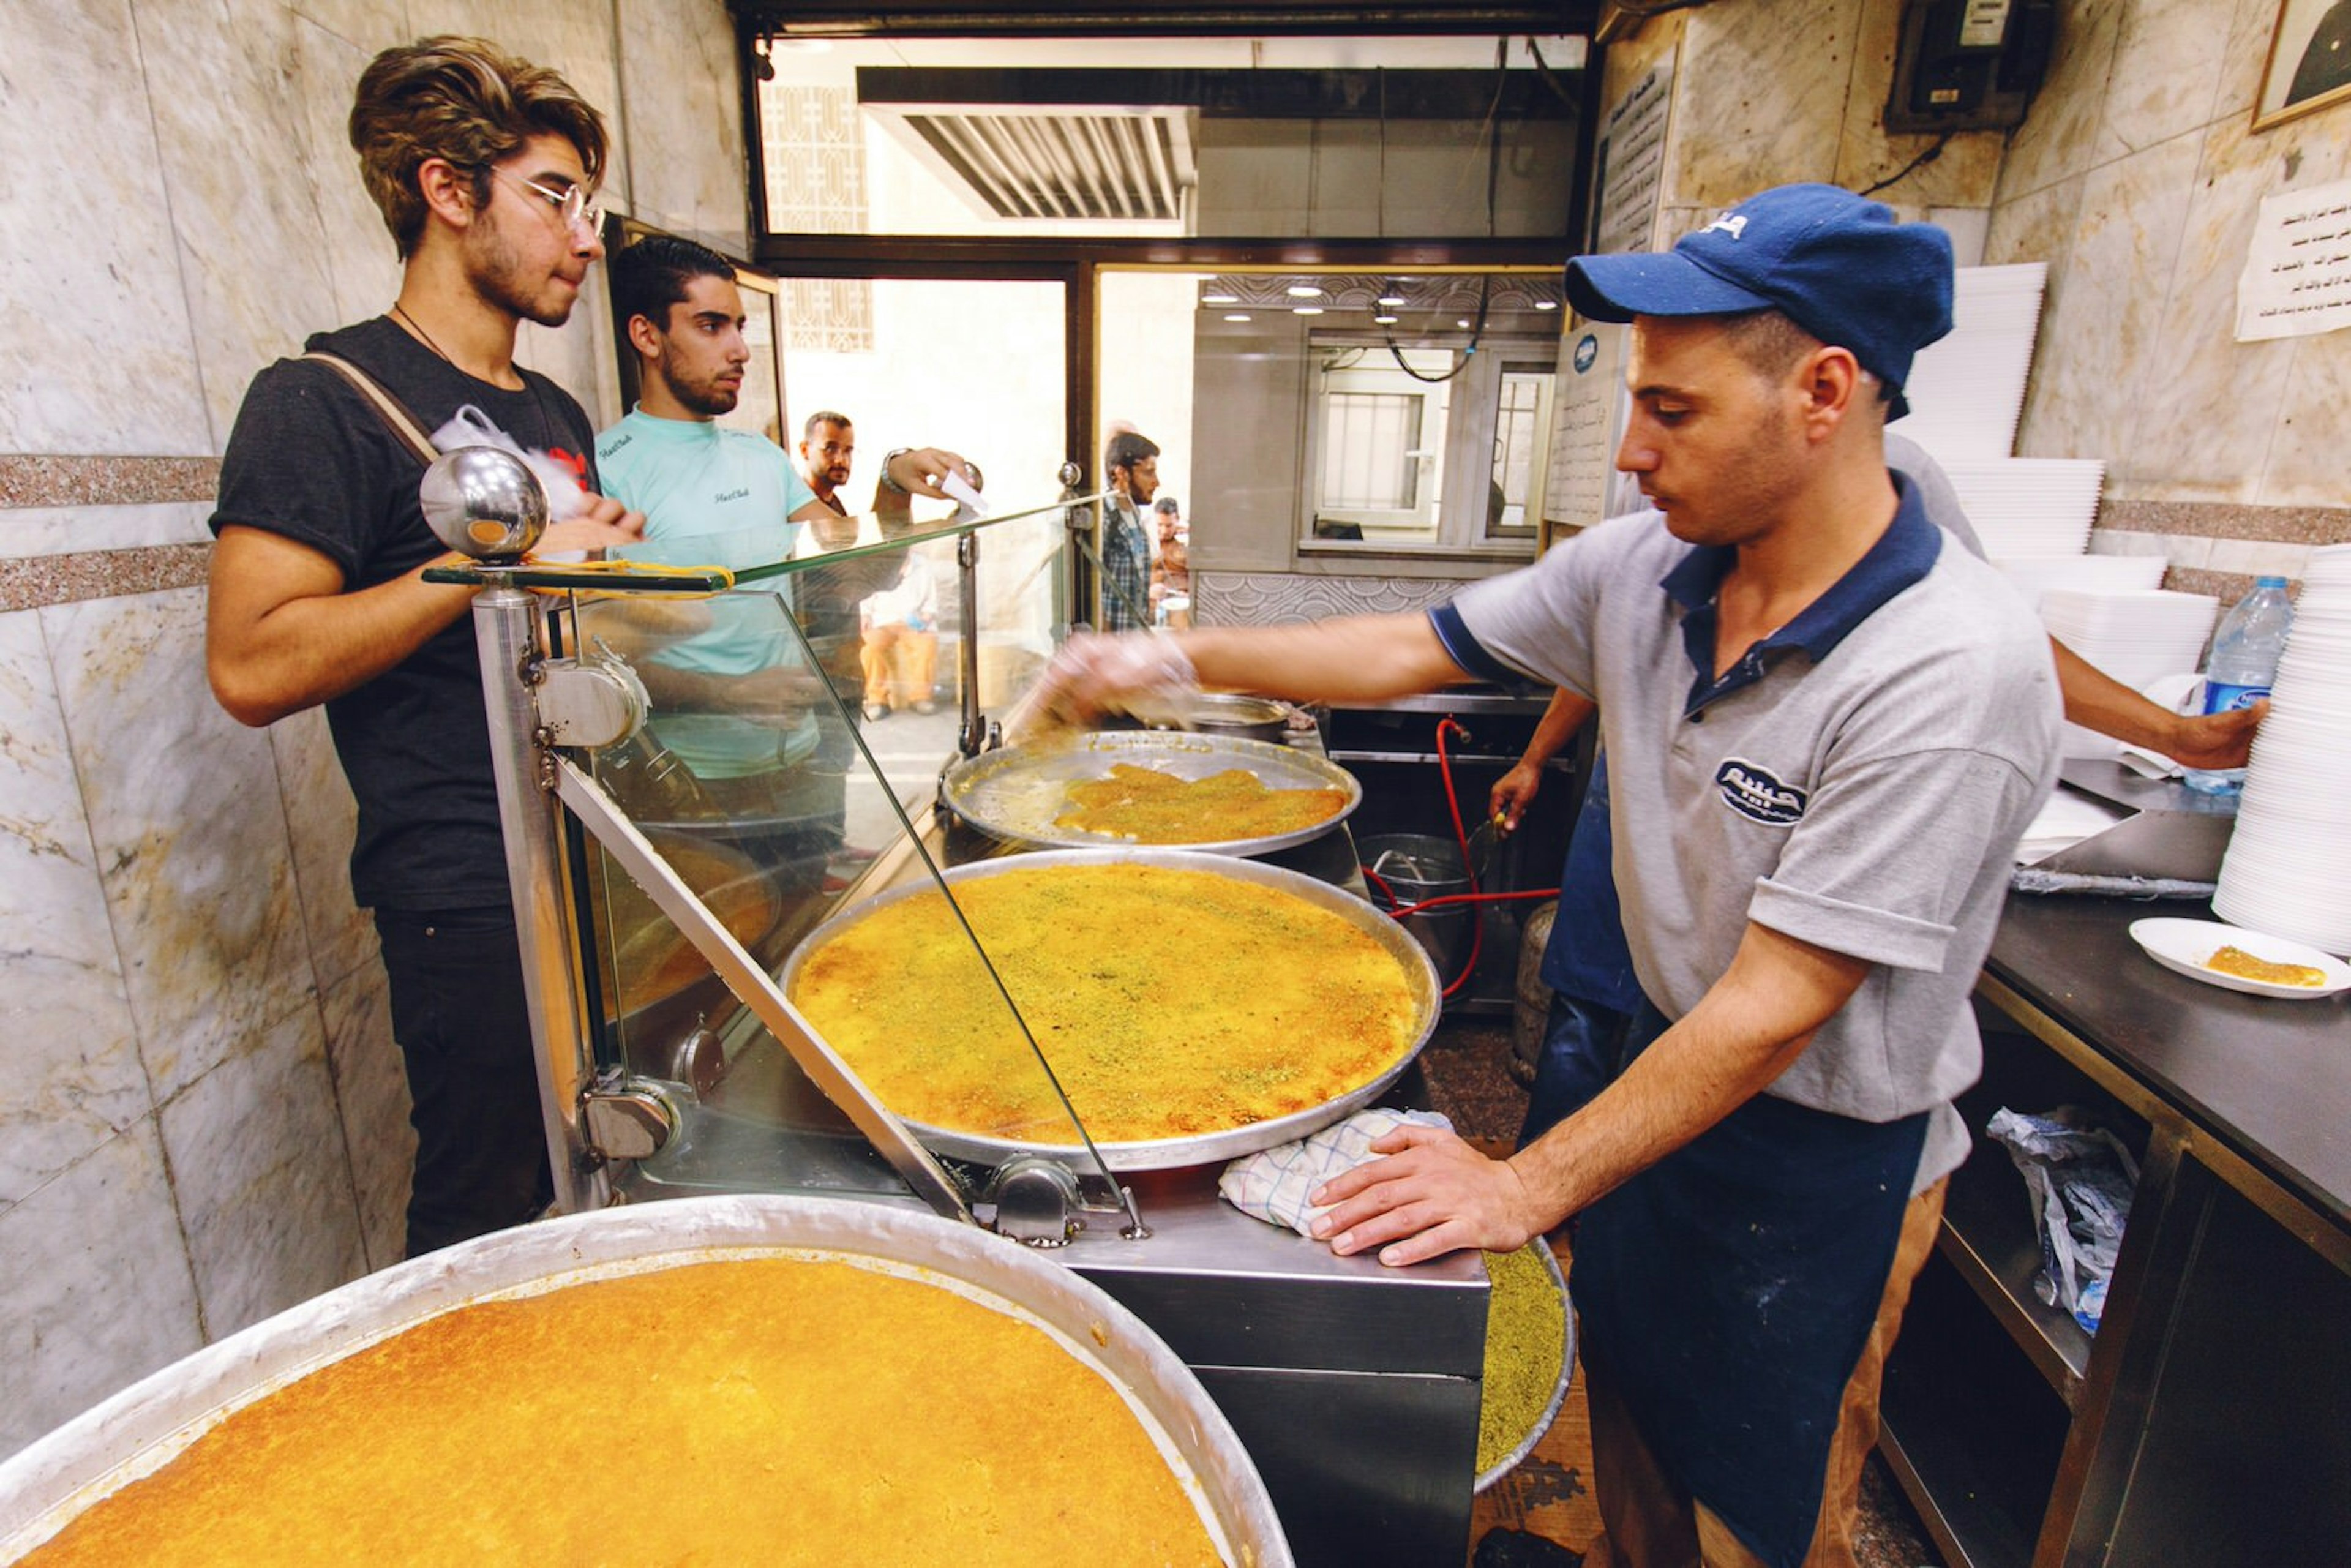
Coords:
2269,1080
2209,1407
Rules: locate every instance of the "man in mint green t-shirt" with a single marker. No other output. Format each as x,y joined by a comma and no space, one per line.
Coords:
736,702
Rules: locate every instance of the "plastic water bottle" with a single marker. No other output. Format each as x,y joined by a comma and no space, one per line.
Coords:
2244,662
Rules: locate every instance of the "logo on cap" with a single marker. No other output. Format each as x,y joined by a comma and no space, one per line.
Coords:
1732,223
1755,791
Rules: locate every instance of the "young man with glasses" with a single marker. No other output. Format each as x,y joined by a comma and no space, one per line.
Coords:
483,167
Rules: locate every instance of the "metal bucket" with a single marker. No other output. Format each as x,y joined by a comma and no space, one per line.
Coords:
1415,867
44,1486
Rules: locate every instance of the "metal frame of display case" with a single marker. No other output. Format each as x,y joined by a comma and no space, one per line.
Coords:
1355,1387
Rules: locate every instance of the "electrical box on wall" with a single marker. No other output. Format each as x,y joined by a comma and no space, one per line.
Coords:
1969,65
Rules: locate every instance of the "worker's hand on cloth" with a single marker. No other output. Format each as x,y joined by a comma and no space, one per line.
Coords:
1144,673
1433,1195
1513,792
1277,1184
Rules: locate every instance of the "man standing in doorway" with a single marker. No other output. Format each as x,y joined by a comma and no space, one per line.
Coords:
483,167
1132,460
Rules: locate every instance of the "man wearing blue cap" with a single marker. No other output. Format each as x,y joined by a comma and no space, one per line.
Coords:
1826,732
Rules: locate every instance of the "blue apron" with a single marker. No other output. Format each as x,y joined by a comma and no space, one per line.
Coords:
1729,1290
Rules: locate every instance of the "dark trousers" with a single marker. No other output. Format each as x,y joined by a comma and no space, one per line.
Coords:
464,1028
1582,1049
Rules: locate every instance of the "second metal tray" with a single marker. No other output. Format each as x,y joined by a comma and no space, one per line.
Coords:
1015,793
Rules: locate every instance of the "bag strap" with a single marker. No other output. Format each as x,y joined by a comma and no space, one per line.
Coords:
393,411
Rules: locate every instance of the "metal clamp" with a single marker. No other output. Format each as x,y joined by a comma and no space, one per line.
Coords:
626,1118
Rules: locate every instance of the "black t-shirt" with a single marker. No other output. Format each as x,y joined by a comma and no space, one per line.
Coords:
311,460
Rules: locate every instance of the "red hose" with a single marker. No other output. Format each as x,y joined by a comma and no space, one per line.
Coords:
1469,872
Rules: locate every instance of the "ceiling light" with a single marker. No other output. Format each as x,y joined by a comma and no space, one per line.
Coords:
1546,304
1304,291
1306,311
1220,299
1385,319
1238,316
1390,300
1463,323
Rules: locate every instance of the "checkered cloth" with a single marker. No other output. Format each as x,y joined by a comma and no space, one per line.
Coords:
1273,1185
1126,571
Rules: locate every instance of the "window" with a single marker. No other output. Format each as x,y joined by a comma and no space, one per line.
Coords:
1427,446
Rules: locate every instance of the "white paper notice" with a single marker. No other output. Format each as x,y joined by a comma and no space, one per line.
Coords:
1631,162
1590,381
2297,276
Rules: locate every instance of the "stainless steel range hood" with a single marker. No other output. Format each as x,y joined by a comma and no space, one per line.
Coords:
1108,162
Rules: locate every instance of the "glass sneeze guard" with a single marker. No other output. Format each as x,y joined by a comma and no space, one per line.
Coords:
760,884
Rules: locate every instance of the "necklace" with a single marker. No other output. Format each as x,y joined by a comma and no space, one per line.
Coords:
423,336
548,431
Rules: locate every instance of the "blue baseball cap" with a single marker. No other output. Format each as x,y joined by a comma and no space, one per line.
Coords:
1838,266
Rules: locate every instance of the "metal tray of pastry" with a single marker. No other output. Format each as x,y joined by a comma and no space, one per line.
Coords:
1196,1148
1015,793
44,1486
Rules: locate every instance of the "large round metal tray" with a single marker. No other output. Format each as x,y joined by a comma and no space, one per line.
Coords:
43,1487
1016,792
1515,1457
1170,1153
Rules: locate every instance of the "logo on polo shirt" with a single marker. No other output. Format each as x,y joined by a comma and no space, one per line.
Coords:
1757,792
730,495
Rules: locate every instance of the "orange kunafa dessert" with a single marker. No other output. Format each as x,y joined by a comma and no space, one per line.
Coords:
1152,807
1170,1002
763,1410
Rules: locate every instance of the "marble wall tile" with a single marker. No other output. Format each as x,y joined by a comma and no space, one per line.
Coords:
321,820
74,1077
2184,551
251,246
366,25
362,267
101,1293
2105,311
1633,55
2060,131
2166,76
2307,465
1760,97
191,837
2208,403
68,531
372,1095
2036,227
2244,55
2257,558
263,1179
93,321
687,170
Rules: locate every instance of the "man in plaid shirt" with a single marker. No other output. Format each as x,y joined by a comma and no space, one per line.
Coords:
1133,463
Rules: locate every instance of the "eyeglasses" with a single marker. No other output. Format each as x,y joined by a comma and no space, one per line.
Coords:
571,205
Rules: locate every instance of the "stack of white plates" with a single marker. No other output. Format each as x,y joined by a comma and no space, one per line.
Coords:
2288,870
2035,575
2028,506
1967,390
2135,635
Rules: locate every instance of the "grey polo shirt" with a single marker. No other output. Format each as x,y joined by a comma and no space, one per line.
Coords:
1857,780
